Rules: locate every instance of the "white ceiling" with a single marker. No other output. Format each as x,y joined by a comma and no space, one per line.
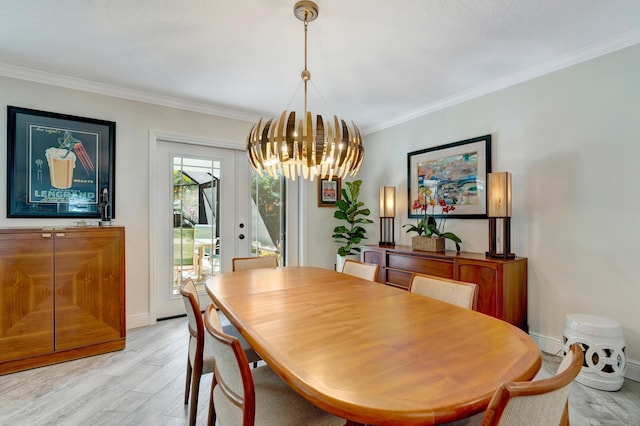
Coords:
375,62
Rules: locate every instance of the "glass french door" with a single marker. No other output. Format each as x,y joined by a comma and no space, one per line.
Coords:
203,212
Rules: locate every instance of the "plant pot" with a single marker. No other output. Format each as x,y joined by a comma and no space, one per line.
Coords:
341,259
423,243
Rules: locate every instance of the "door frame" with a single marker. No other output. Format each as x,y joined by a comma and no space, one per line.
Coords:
154,138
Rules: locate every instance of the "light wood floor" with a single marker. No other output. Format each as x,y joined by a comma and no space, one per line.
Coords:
144,385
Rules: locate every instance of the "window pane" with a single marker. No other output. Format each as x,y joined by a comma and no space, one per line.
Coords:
195,219
268,216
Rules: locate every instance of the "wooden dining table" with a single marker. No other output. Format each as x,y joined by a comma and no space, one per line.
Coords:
371,353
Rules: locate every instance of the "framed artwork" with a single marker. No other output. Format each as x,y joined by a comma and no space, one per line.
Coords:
59,166
455,173
328,191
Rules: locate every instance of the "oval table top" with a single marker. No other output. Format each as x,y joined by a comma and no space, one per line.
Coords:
371,353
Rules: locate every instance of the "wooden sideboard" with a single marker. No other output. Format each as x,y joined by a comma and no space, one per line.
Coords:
502,283
62,295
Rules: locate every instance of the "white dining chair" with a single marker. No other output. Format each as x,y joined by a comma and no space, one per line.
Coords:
366,271
241,396
200,358
254,262
538,402
458,293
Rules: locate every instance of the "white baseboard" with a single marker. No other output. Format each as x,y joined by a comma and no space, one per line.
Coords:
554,346
140,320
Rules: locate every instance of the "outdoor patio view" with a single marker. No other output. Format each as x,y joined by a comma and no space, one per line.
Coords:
196,220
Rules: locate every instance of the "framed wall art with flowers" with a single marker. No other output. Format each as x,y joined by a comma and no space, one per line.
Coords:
449,181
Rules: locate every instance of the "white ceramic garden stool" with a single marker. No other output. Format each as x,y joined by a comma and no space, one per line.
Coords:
602,340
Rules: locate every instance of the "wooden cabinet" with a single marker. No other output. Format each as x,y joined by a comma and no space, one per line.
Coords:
502,283
62,295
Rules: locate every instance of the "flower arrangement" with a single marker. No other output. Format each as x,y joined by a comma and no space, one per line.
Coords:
427,224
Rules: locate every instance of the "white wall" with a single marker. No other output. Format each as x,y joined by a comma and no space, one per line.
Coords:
571,141
133,120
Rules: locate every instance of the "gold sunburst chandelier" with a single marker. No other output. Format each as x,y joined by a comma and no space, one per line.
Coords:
307,147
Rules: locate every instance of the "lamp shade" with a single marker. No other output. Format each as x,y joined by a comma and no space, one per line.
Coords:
387,201
499,194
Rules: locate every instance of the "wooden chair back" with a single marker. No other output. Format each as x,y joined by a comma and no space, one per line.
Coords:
232,388
192,307
540,402
244,263
198,362
458,293
366,271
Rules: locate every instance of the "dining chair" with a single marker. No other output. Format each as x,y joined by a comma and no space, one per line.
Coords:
254,262
366,271
200,358
458,293
539,402
241,396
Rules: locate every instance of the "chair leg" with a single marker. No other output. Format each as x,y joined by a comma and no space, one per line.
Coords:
187,385
195,389
212,409
564,421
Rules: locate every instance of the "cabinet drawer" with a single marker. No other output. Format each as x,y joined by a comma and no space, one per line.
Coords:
370,256
399,278
437,267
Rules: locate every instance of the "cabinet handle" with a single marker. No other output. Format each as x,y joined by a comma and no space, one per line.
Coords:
46,235
60,234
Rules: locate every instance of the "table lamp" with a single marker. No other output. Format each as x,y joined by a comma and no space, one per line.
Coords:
499,206
387,215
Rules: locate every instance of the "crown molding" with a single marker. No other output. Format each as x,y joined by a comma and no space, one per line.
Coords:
36,76
572,58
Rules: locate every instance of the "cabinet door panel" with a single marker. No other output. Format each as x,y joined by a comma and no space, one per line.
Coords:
486,278
89,290
26,295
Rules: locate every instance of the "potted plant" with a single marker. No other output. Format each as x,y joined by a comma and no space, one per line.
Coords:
352,211
434,235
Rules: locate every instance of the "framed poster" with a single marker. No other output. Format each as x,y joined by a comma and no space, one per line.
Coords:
59,165
328,191
455,173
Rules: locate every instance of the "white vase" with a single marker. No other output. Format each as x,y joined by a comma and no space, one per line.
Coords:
340,260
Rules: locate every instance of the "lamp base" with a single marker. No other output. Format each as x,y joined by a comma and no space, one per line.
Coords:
506,239
387,232
500,255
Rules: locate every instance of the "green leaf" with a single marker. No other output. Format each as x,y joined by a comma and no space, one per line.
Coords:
340,229
451,236
343,251
340,215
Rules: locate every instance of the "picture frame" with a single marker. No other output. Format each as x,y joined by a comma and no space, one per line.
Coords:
329,191
455,172
59,165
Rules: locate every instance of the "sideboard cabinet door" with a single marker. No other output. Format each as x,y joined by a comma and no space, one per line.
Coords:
26,295
89,287
502,287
